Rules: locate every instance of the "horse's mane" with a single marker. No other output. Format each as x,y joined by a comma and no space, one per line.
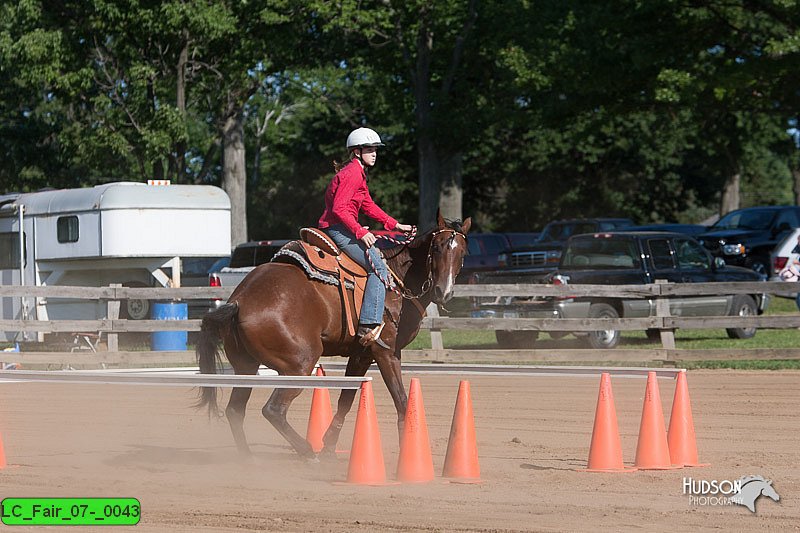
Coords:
747,479
421,240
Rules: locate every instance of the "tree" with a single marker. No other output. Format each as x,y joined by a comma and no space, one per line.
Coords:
420,52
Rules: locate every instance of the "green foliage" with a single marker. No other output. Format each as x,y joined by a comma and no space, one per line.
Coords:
557,109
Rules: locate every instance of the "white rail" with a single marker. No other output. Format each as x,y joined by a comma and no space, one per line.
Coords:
183,380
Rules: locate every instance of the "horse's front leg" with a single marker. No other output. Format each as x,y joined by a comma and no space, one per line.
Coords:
357,365
389,365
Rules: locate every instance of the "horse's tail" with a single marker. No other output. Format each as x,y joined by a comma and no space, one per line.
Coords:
216,325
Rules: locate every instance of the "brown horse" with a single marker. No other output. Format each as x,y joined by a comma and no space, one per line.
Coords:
279,318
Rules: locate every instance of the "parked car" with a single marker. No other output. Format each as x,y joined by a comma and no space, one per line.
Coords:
485,250
195,272
623,258
747,237
522,240
244,258
781,255
687,229
545,253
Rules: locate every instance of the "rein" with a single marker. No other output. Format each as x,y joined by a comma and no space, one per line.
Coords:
426,285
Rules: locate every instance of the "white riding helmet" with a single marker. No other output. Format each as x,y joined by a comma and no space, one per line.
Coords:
363,137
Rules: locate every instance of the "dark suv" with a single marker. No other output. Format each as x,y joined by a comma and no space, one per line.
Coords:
746,237
546,252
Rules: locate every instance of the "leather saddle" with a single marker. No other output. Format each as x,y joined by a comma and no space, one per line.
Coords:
324,256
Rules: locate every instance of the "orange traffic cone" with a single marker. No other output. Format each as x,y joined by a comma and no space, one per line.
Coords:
681,438
461,461
366,455
605,451
415,464
320,417
652,451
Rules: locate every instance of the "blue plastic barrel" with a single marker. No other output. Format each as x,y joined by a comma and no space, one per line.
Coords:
167,341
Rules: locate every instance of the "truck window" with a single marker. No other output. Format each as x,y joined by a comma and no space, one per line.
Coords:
243,256
601,253
67,229
754,219
788,217
9,250
563,231
660,254
691,255
265,253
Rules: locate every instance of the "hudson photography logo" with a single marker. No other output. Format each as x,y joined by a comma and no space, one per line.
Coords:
743,491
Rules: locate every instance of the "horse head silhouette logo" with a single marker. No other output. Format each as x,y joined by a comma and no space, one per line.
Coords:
752,488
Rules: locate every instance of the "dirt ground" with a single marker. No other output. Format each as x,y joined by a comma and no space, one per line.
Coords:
532,432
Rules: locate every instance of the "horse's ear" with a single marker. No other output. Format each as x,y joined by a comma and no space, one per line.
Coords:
466,225
440,219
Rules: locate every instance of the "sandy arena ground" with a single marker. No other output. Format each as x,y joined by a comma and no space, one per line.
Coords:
532,432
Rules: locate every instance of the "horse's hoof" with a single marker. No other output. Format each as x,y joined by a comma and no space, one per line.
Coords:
312,460
246,458
327,454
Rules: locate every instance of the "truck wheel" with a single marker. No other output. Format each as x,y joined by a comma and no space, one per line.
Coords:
609,338
743,305
516,339
134,309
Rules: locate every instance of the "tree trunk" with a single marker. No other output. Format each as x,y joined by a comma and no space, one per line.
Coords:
234,177
730,194
428,157
428,182
452,192
180,102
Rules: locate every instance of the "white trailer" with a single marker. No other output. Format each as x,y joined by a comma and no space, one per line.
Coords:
113,233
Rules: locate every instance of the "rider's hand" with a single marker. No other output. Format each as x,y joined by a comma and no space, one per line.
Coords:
368,239
405,228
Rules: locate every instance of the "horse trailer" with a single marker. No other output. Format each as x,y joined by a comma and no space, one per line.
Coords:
126,233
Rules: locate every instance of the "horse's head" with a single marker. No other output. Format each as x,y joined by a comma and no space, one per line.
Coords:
447,250
768,491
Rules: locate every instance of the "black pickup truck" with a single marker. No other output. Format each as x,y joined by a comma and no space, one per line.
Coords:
746,237
545,253
623,258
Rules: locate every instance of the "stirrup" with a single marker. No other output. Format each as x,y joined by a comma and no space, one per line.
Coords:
373,336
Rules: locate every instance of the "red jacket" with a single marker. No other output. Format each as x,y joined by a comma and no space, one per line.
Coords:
346,197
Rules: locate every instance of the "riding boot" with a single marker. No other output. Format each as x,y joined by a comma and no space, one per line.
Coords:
371,333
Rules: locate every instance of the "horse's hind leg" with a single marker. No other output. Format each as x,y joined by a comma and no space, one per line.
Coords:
275,411
237,403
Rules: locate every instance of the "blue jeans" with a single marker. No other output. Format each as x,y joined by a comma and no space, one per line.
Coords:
375,291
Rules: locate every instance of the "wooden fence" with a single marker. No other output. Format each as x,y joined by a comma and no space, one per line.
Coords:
111,326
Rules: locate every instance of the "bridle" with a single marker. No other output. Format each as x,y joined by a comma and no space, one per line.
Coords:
428,283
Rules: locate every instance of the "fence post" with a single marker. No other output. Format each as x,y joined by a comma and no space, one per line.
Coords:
436,334
662,311
112,313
